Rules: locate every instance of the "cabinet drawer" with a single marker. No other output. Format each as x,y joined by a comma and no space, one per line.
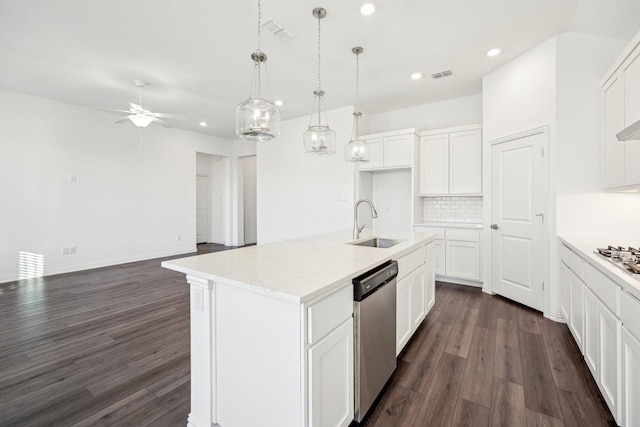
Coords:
603,287
464,235
411,261
573,261
630,313
439,232
326,314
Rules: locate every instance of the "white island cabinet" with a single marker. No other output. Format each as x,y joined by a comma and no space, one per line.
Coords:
272,327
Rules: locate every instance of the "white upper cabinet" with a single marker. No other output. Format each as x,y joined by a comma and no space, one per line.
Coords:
390,150
621,108
451,162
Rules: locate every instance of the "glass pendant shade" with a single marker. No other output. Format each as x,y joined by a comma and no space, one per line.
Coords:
257,118
319,138
357,149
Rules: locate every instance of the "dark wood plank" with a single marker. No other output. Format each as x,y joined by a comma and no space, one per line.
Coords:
488,314
398,407
478,373
507,404
539,388
470,414
462,332
507,363
536,419
438,406
580,411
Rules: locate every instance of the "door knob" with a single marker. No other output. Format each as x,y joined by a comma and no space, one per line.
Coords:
494,226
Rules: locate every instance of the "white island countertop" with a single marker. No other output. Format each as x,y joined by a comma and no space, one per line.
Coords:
301,269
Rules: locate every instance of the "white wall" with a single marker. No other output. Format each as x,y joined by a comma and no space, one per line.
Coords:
298,192
134,191
249,199
583,208
438,115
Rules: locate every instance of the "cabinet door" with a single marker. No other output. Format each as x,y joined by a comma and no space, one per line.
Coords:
439,255
403,312
631,70
630,379
397,151
613,101
376,154
418,297
462,259
591,332
608,339
331,379
576,323
434,164
430,279
465,162
565,285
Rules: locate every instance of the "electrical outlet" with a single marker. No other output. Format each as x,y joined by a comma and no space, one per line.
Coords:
72,250
178,238
65,251
198,304
73,177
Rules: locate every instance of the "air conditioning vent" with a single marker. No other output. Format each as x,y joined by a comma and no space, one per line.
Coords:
277,30
441,74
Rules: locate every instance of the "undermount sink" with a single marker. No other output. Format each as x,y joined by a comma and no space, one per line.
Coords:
377,242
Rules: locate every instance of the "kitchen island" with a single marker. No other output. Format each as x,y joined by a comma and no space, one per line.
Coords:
272,326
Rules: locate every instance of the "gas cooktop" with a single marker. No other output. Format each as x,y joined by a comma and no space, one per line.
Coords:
626,258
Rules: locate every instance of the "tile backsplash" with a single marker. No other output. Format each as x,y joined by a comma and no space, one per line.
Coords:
460,209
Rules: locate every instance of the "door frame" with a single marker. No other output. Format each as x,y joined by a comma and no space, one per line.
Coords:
487,212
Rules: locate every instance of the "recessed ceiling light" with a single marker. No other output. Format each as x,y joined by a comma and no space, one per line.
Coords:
367,9
203,124
493,52
278,102
416,76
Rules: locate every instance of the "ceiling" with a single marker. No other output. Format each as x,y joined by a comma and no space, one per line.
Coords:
195,54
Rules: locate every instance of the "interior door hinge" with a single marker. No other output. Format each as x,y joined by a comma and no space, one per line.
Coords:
542,149
543,286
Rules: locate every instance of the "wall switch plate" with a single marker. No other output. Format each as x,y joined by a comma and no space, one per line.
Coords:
65,251
178,238
73,177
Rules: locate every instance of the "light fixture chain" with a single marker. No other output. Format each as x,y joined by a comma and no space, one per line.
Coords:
259,32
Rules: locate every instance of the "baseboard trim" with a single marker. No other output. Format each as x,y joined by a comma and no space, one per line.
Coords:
456,281
90,266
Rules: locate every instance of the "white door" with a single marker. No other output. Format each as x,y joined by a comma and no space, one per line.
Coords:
518,189
202,208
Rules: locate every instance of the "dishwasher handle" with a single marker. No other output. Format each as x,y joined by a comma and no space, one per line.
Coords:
367,283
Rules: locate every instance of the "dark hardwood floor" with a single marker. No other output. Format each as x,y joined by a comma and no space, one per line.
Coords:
481,360
110,347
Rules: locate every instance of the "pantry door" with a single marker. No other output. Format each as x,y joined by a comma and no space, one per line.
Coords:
518,211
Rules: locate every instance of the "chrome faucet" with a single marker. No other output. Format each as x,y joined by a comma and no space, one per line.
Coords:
356,228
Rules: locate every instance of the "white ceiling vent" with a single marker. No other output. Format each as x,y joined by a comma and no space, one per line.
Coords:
441,74
277,30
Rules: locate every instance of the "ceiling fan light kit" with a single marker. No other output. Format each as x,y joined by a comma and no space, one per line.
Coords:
257,118
319,138
140,120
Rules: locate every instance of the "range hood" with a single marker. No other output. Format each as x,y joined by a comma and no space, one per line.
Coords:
631,132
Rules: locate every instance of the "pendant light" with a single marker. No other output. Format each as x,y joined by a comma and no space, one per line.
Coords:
319,138
357,150
257,118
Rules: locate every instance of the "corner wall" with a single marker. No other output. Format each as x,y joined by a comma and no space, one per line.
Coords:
133,195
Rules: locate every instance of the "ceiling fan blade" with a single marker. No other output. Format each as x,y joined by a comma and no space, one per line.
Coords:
135,108
170,116
122,120
112,110
162,123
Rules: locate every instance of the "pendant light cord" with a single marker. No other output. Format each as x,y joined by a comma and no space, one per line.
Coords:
259,20
319,78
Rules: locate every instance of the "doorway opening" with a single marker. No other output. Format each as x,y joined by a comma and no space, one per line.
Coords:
212,196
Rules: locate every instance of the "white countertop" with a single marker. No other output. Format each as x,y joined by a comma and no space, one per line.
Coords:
301,269
585,247
439,224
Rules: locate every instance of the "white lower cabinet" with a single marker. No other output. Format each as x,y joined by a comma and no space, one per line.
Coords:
430,279
591,332
456,252
630,379
330,380
410,305
608,361
576,313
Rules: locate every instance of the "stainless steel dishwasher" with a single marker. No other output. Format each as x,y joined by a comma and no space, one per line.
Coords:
375,333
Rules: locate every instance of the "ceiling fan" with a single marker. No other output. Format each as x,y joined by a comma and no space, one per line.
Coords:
141,116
